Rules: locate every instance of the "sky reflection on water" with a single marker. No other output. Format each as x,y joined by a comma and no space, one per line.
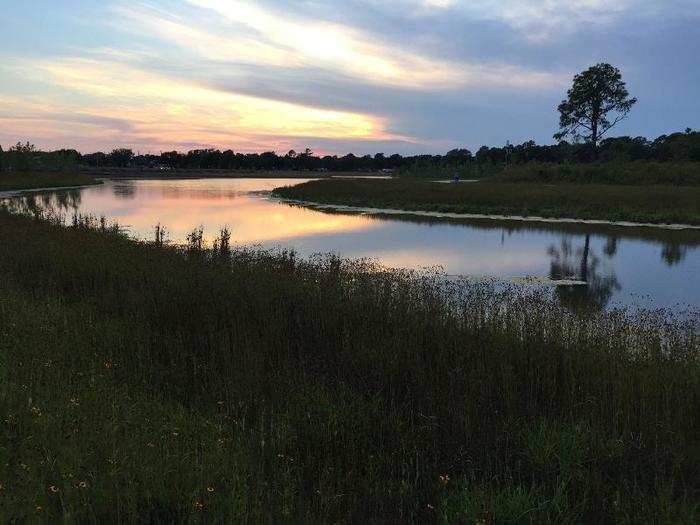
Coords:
631,266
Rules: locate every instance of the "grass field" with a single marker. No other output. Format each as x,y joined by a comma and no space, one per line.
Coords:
26,181
141,382
637,173
653,204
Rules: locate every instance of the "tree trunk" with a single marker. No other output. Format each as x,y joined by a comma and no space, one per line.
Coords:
594,133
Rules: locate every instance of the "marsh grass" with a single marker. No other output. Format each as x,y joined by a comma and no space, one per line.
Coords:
154,382
10,181
634,173
653,204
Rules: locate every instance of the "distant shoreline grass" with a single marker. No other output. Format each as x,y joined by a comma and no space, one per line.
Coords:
640,204
167,384
628,173
636,173
14,181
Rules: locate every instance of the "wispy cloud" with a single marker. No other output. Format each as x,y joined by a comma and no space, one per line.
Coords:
256,35
179,111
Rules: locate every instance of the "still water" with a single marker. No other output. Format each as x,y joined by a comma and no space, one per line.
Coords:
646,267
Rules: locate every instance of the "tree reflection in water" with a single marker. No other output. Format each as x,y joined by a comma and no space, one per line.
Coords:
582,264
673,253
55,203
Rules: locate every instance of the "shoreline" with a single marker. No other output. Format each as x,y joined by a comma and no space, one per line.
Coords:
15,193
378,212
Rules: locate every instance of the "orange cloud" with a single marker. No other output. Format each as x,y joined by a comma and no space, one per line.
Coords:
178,112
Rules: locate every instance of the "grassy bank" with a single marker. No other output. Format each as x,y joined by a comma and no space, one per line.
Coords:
654,204
142,382
638,173
10,181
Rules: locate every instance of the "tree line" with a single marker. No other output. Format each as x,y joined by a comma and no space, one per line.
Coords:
681,146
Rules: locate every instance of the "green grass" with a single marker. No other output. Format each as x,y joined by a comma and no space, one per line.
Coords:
637,173
653,204
26,181
141,382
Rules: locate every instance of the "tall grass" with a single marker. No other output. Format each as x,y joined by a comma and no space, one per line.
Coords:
654,204
152,382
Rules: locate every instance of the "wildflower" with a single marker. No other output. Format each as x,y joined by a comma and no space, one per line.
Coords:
108,364
39,508
36,411
444,479
221,442
430,507
210,489
74,401
198,505
82,485
53,489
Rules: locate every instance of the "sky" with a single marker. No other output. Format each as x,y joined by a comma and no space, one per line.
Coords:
367,76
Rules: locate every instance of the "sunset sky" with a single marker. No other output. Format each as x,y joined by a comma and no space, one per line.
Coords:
402,76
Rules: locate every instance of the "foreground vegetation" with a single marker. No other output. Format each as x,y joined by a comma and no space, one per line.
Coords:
146,382
26,181
655,204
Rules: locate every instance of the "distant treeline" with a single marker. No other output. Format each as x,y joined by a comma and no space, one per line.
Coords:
682,146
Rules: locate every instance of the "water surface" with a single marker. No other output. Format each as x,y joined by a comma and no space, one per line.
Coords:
647,267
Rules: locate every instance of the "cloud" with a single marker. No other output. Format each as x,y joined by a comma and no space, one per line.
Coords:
360,75
184,112
540,21
260,36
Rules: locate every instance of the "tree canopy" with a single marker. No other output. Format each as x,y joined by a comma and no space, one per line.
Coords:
596,102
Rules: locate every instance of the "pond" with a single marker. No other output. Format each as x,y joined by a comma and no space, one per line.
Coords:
604,265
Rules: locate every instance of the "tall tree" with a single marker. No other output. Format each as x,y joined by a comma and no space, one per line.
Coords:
596,102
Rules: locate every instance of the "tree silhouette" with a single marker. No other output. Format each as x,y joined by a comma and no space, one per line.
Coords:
596,102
